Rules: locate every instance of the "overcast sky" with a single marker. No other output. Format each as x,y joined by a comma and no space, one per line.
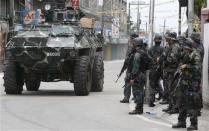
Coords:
167,11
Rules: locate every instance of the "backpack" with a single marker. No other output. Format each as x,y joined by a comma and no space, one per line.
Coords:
147,61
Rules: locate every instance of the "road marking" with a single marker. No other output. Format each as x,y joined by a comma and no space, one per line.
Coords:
131,106
152,121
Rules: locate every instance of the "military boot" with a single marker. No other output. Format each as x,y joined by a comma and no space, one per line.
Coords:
192,127
164,102
138,110
179,125
135,112
173,111
151,104
125,100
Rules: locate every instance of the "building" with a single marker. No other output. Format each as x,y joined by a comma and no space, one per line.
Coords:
205,31
108,11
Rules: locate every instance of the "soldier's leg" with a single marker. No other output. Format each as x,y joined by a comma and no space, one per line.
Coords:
127,90
193,120
170,91
139,97
159,89
166,91
173,99
182,111
153,84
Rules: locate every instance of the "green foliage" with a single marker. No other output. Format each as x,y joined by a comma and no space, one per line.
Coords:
198,5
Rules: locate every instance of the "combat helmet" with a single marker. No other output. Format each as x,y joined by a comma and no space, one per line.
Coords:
138,41
188,43
195,37
171,35
158,38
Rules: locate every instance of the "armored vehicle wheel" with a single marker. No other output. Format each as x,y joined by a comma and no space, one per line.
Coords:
13,78
82,76
32,84
98,74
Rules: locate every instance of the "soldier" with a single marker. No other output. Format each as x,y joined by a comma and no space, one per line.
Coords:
170,65
155,73
200,48
128,65
189,87
137,80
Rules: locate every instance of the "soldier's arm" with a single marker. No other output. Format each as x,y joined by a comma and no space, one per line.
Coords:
174,56
195,62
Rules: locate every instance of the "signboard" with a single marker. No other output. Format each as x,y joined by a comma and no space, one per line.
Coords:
29,14
115,28
28,5
75,3
100,2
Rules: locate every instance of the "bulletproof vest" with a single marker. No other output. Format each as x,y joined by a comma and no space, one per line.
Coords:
156,51
171,55
146,60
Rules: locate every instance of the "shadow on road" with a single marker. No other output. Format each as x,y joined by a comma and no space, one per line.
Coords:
46,93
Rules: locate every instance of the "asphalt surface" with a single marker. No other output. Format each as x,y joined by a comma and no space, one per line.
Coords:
56,108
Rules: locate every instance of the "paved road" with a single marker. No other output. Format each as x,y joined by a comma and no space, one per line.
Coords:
56,108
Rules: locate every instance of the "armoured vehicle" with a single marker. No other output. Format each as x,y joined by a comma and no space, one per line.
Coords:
60,49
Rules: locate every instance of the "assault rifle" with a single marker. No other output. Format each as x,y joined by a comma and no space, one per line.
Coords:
127,62
176,80
121,72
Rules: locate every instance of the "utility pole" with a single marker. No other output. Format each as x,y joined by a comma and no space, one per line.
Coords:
102,24
164,25
150,43
138,13
11,13
190,16
129,18
179,30
146,28
138,18
151,22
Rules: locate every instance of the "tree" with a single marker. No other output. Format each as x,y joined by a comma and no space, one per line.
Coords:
198,5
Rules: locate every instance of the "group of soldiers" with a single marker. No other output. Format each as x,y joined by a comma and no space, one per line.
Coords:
178,64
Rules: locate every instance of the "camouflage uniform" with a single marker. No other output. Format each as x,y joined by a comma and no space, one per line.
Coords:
129,55
127,87
155,72
138,75
200,49
189,86
170,65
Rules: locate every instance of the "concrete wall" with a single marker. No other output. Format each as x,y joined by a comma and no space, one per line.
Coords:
115,51
205,66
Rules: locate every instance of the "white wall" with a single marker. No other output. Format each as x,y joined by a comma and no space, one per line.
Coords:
208,3
205,65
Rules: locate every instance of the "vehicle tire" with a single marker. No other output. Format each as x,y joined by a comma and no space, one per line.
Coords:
82,76
32,84
98,74
13,78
